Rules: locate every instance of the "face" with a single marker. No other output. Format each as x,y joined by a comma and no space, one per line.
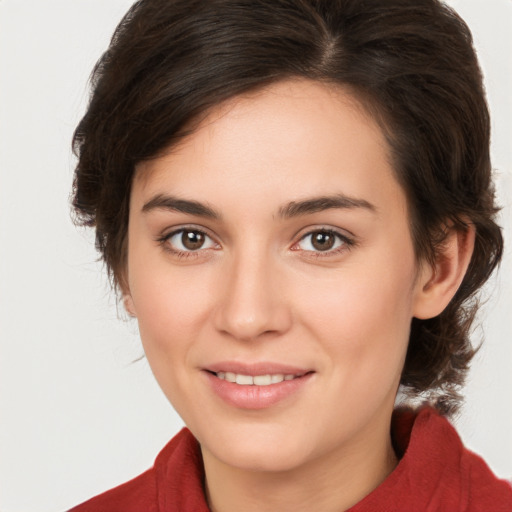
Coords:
272,248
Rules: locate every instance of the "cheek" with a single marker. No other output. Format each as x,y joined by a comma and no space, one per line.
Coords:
363,317
170,313
169,306
173,309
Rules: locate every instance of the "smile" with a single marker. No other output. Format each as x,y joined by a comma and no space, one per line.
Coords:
257,386
255,380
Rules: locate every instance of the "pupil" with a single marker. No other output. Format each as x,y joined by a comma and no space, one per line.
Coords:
192,240
323,241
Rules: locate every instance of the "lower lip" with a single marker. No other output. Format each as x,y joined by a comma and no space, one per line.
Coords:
256,397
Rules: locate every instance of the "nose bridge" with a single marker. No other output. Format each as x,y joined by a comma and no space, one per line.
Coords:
251,302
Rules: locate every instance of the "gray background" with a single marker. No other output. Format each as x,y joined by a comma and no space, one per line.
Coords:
77,417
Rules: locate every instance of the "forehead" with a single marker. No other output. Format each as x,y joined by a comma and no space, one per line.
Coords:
287,134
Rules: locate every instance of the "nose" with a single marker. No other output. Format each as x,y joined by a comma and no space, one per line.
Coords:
253,301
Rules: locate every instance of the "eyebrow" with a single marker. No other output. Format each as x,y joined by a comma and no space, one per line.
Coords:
165,202
290,210
318,204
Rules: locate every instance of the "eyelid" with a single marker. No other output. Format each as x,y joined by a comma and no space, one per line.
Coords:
313,228
348,240
164,238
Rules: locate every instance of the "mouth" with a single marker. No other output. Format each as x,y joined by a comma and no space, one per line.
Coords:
257,380
257,386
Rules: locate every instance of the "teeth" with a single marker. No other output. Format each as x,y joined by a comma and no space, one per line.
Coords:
265,380
244,380
257,380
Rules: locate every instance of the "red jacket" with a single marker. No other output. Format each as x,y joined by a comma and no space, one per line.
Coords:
435,474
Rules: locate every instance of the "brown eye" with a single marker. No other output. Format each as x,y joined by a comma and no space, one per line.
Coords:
322,240
188,240
192,240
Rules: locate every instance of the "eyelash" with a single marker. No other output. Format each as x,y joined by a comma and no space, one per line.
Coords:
347,243
180,254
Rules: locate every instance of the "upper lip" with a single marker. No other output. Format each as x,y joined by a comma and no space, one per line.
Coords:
259,368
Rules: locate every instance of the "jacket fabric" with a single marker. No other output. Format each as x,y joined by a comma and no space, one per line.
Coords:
435,474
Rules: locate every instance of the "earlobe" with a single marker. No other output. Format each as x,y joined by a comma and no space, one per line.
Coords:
437,284
124,288
128,305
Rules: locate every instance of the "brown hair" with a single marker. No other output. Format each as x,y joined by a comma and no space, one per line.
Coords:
410,62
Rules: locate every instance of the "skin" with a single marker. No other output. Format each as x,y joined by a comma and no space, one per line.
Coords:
259,290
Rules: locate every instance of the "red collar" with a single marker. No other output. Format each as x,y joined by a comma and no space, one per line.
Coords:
435,473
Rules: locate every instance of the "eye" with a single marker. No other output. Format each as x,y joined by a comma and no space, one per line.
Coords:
323,240
188,240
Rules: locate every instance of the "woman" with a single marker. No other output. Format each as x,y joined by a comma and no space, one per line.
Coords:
294,199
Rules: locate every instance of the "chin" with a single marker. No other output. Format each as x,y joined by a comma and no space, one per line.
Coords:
265,459
260,448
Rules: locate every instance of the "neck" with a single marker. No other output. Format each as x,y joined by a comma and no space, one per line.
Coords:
333,482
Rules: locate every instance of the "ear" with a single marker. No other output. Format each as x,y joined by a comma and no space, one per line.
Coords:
129,306
438,283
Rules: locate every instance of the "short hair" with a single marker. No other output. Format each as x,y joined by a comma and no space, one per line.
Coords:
411,64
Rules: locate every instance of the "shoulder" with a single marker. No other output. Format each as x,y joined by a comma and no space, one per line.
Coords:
459,476
435,471
175,478
133,496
